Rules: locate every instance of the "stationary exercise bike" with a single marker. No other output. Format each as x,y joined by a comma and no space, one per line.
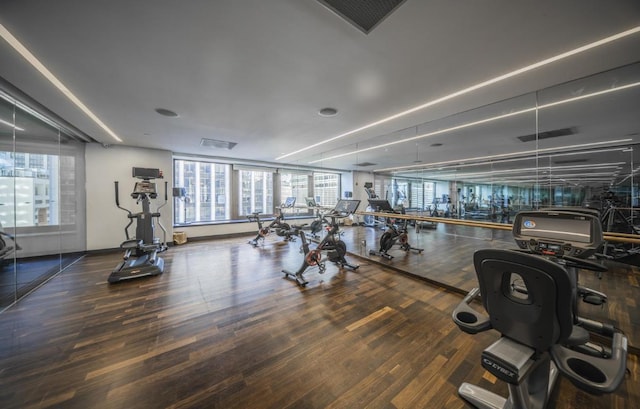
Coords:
395,233
531,296
278,224
141,253
334,247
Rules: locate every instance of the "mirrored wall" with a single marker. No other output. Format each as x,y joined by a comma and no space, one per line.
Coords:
571,145
42,199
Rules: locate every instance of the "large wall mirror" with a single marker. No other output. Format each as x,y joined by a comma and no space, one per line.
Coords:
574,144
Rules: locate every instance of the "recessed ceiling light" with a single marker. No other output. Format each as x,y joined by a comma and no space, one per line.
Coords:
166,112
328,111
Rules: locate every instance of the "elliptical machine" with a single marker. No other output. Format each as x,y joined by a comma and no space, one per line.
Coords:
331,243
141,253
531,298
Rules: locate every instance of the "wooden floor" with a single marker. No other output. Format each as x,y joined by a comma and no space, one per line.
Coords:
448,261
222,328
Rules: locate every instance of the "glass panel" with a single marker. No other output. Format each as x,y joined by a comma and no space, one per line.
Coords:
37,199
72,200
586,154
8,290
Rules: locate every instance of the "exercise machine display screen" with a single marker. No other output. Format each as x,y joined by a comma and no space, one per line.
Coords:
557,228
348,206
289,202
146,173
558,232
144,187
381,205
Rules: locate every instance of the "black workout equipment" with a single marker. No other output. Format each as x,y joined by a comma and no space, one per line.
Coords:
395,232
141,253
374,200
531,296
317,223
278,224
8,244
334,247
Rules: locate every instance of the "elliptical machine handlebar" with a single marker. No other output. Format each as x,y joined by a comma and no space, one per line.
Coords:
157,214
129,213
116,183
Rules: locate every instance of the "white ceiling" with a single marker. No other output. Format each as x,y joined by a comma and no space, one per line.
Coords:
256,72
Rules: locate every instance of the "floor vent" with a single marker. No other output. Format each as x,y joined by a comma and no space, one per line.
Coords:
216,144
363,14
549,134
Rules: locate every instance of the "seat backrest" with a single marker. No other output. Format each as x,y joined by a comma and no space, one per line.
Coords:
528,298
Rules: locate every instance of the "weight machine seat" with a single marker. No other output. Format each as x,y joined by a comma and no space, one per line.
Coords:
531,301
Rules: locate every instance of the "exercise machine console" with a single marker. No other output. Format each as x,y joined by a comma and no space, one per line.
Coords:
531,298
141,253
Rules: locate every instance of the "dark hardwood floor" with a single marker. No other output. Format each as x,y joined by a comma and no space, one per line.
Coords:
223,328
447,261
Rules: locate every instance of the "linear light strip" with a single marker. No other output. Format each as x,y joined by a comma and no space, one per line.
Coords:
474,87
464,165
17,128
506,155
482,121
437,166
522,171
27,55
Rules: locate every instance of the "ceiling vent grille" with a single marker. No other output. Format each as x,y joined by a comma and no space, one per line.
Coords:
364,14
363,164
216,144
548,134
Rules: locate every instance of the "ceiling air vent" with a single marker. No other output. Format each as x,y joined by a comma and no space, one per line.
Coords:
362,164
548,134
214,143
364,14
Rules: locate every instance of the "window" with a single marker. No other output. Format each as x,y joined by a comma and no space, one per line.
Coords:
207,188
429,193
26,198
326,188
293,184
416,198
256,192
